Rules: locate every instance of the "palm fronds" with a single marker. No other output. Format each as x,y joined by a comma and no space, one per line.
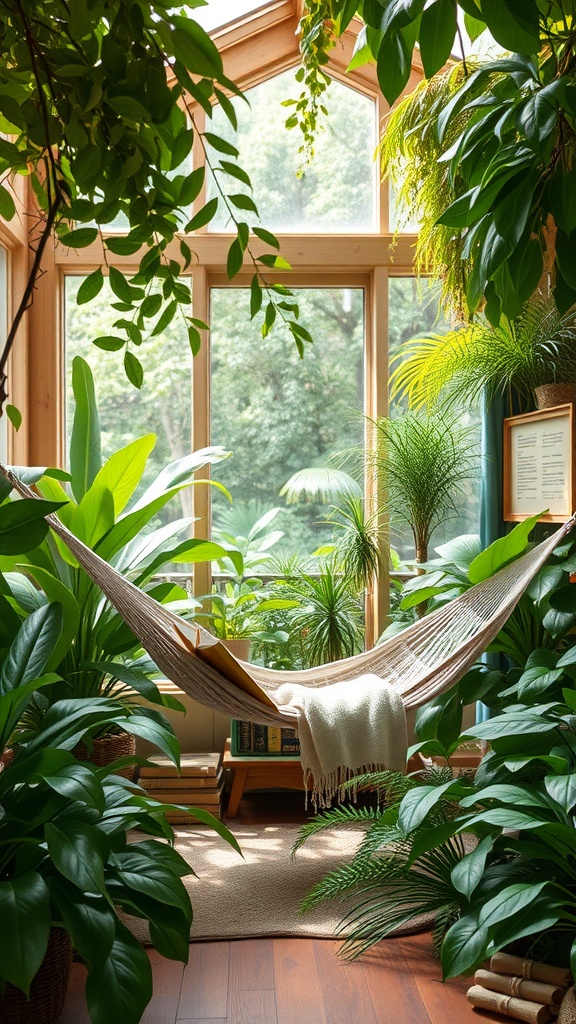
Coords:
390,884
538,348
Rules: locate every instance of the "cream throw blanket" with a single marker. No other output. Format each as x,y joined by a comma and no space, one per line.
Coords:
345,729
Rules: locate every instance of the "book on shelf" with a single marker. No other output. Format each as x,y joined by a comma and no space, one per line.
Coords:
183,818
207,798
197,782
191,766
252,739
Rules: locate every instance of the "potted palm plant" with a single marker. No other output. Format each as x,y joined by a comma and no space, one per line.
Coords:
533,358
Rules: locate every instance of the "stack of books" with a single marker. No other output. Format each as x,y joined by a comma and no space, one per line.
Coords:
248,738
521,989
199,783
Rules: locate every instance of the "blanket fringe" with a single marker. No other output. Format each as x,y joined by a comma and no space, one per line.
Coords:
323,790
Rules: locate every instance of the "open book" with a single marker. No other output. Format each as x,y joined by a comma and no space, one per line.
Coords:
211,650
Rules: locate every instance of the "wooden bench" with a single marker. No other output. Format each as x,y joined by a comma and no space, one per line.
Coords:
263,772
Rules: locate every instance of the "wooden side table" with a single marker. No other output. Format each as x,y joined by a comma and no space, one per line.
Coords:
264,772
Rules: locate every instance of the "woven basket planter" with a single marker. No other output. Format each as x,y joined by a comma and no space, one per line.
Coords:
549,395
48,989
107,749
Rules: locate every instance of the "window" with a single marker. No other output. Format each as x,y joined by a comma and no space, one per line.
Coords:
162,406
278,413
337,191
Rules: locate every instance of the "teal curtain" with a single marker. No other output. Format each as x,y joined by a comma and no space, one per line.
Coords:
491,523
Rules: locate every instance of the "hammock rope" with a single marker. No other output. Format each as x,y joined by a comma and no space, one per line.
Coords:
422,661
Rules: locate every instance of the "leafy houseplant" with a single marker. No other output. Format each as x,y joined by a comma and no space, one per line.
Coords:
96,654
518,883
421,465
512,358
65,859
509,157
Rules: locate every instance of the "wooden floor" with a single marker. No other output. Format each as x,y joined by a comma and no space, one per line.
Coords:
296,981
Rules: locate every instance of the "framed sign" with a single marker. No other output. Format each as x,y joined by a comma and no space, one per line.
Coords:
539,465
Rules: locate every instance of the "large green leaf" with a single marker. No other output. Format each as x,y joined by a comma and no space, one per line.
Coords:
513,23
502,551
154,879
464,946
85,451
180,473
119,988
58,592
437,31
90,920
22,524
78,851
418,802
14,703
467,874
562,789
76,782
32,648
520,722
121,474
26,920
509,902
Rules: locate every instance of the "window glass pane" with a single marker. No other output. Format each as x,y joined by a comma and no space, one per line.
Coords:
278,413
162,406
336,192
3,332
413,311
220,12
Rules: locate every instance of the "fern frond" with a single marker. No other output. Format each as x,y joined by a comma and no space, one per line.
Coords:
348,815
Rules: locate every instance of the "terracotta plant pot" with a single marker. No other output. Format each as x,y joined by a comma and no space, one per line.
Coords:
239,647
549,395
107,749
48,989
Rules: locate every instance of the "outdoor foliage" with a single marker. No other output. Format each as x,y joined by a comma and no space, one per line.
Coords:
511,167
90,115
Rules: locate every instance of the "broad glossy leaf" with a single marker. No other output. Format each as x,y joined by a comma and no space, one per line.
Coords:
85,452
122,473
502,551
32,648
514,24
58,592
512,723
418,802
464,946
467,874
119,988
78,852
507,794
180,473
22,524
437,31
26,921
90,920
76,782
508,902
562,789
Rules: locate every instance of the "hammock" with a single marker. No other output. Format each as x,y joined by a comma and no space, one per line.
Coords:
422,661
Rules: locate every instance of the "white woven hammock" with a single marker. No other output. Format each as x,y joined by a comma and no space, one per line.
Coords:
422,661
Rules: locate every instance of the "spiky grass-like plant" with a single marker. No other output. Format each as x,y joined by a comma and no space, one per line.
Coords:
356,548
393,881
329,620
515,357
422,464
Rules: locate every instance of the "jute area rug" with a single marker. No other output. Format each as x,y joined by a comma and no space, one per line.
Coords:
259,894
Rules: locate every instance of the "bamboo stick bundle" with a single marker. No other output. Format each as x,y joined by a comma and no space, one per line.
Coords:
523,988
504,963
509,1006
